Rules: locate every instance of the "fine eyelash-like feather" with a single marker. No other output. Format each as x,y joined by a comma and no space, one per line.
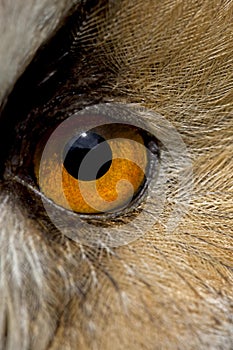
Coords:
164,291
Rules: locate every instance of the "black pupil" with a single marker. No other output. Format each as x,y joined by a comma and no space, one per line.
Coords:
88,158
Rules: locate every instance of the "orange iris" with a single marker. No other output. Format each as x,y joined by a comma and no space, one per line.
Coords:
113,190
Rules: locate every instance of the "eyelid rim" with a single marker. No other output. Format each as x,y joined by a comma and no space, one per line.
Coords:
125,232
135,203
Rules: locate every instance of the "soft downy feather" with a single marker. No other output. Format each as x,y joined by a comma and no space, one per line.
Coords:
164,291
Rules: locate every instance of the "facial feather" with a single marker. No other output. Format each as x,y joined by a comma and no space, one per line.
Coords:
166,290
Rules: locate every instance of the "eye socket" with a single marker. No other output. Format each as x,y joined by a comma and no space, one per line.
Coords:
143,140
95,170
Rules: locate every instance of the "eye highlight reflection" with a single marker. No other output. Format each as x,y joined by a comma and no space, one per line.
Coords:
103,169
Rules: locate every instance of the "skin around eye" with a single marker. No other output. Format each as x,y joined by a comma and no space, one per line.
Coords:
101,170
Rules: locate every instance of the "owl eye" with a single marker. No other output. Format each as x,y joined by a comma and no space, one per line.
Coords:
94,170
104,173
